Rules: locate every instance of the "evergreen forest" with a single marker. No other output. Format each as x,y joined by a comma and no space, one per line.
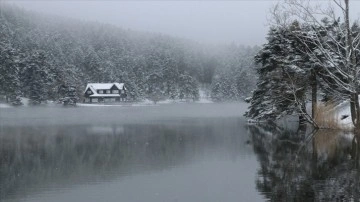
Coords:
48,57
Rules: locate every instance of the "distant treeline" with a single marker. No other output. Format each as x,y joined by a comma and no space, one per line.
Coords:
41,54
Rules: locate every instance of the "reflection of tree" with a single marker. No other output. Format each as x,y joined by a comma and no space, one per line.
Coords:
292,169
280,158
35,157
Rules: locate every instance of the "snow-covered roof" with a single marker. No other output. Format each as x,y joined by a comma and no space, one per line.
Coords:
103,86
119,85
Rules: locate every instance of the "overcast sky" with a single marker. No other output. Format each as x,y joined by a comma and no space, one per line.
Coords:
242,22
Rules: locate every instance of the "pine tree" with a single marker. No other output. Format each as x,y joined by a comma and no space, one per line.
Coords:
69,95
282,80
92,67
155,87
189,88
36,78
9,77
216,89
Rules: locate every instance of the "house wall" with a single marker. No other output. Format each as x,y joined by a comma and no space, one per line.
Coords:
104,99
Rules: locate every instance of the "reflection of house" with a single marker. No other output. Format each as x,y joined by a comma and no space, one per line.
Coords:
105,130
105,92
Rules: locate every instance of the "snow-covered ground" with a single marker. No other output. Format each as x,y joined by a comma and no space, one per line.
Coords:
203,99
341,111
4,105
25,102
137,104
146,102
96,105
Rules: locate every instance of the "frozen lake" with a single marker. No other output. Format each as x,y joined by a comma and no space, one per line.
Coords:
173,152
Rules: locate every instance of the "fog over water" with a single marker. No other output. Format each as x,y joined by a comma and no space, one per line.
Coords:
35,116
183,152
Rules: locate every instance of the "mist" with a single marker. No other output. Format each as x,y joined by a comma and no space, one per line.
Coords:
241,22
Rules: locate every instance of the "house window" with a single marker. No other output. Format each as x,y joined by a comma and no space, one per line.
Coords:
107,91
94,100
87,100
115,91
101,91
88,92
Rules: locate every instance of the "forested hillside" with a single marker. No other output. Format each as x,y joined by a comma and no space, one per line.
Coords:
40,55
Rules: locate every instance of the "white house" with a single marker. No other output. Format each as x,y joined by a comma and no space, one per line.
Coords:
105,92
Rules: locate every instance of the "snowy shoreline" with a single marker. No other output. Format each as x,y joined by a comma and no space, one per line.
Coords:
341,113
126,104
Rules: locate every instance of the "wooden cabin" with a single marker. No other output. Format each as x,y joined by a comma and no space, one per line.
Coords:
105,92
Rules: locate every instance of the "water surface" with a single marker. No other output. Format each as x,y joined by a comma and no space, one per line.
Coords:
186,152
176,152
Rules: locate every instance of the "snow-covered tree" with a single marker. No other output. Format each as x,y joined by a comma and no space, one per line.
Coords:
188,87
68,95
77,53
336,49
9,77
155,88
282,82
36,77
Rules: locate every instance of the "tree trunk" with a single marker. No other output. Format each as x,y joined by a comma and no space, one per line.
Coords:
313,93
302,128
352,109
351,64
357,109
302,118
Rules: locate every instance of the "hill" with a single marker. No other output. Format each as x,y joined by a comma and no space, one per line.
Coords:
39,54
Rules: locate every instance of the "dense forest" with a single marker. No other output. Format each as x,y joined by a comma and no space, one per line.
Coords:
42,57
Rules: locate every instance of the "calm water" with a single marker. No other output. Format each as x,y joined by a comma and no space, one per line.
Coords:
184,152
